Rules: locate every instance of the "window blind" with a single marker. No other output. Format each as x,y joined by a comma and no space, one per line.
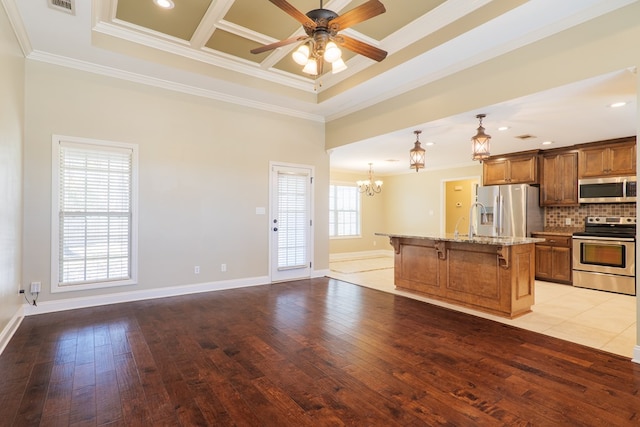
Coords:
293,221
95,198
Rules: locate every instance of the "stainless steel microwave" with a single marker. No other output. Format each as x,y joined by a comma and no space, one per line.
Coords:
619,189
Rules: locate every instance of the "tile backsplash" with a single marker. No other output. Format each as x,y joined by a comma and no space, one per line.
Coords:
555,216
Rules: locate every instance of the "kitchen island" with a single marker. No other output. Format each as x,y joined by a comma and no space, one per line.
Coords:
490,274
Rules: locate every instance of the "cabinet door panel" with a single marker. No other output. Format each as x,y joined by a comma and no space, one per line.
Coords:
593,162
567,182
622,160
495,172
543,262
561,259
523,171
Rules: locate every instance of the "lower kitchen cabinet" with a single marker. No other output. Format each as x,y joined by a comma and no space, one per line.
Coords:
553,258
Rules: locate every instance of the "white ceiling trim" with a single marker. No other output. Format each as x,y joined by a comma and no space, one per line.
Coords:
165,84
18,26
204,55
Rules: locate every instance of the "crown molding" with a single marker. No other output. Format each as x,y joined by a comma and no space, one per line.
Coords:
165,84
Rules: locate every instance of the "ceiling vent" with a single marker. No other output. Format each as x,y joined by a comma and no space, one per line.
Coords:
68,6
525,136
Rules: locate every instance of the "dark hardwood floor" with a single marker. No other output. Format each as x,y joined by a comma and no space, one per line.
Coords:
309,353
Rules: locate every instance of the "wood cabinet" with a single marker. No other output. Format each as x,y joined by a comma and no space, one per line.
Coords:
559,178
494,278
608,159
553,258
519,168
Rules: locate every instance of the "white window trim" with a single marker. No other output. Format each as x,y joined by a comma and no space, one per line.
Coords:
353,236
56,140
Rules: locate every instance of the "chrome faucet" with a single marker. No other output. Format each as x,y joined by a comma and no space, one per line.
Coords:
455,230
483,218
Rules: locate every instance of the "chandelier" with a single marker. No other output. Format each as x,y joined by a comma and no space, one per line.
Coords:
416,154
320,48
480,142
370,186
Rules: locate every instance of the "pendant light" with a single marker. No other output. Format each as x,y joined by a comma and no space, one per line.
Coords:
417,153
480,142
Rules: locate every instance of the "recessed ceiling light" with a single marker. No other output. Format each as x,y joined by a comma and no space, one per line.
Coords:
501,128
547,142
429,143
165,4
618,104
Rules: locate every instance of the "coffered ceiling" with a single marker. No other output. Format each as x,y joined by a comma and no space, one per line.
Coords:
203,47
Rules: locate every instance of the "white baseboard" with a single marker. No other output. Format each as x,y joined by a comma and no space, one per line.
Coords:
359,255
636,354
7,333
94,301
319,273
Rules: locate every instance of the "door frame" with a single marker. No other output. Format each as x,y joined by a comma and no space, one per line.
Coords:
311,243
443,196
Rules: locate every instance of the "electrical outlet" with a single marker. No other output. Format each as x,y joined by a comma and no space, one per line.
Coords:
223,267
567,221
196,269
35,287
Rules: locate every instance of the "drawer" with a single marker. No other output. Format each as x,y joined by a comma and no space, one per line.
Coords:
553,240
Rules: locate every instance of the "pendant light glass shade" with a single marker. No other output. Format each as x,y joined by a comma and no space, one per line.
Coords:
417,154
480,143
301,55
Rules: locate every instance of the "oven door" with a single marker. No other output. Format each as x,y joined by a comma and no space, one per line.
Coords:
609,255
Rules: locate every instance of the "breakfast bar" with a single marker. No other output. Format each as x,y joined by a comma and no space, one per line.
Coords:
490,274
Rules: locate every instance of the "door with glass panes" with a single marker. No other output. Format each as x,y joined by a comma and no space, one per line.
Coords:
290,222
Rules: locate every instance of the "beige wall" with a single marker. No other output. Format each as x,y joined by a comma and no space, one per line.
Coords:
11,139
414,201
203,170
372,217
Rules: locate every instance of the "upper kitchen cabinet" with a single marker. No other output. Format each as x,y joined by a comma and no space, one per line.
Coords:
518,168
559,178
609,158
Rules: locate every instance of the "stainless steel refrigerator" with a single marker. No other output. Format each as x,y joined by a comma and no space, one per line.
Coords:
510,211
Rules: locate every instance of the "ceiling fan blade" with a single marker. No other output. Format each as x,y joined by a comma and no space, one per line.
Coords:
362,48
361,13
277,44
295,13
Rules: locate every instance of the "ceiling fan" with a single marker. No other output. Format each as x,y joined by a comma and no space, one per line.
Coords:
322,39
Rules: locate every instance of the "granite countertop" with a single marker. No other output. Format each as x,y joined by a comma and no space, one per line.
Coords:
560,231
483,240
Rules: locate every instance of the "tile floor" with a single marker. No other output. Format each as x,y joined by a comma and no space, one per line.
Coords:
596,319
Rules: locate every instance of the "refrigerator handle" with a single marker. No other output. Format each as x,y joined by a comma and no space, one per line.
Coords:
498,214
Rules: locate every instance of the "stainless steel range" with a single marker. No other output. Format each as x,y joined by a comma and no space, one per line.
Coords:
604,255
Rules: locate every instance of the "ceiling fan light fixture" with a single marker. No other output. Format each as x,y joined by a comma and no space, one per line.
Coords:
480,142
311,67
332,52
301,55
337,66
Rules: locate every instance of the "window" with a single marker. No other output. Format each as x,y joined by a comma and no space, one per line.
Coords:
94,215
344,211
